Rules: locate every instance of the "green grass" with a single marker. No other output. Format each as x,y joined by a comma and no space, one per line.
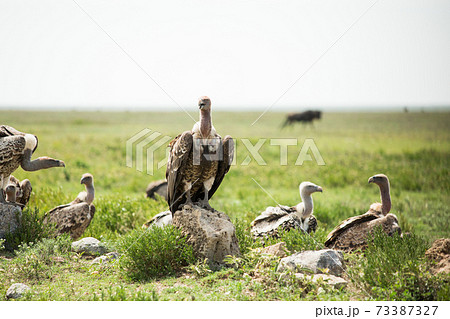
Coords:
413,149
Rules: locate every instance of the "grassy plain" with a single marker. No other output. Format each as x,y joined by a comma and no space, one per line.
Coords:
413,149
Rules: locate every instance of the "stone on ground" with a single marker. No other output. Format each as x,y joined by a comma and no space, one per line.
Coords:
314,260
9,219
89,246
16,291
211,233
440,253
105,258
277,250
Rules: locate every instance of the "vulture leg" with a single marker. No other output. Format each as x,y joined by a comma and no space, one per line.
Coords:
207,185
188,201
2,197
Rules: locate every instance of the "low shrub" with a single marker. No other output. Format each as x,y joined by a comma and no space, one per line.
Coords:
395,269
31,230
35,261
154,252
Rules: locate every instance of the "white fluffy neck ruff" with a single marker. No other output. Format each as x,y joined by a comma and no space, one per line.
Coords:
30,142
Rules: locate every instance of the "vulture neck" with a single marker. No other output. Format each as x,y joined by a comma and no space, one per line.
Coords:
385,198
307,204
37,164
205,123
90,192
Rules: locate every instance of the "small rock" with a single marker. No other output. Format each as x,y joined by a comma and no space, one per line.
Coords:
105,258
16,291
211,233
89,246
336,282
277,250
315,261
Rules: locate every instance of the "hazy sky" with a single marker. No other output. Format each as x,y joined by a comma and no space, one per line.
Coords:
239,53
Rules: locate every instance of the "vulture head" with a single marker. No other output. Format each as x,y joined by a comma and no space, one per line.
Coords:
307,188
10,191
204,103
380,180
87,179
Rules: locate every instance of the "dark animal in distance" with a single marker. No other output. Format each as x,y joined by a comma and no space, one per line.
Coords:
305,117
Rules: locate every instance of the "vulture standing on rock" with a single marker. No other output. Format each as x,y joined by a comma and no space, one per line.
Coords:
16,149
198,162
352,233
75,217
278,218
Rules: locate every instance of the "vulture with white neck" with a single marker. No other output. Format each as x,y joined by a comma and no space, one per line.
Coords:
352,233
274,219
76,216
198,162
16,149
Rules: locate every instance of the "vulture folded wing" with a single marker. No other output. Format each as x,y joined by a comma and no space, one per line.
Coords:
179,155
347,224
6,130
224,164
81,198
73,219
11,150
274,219
48,215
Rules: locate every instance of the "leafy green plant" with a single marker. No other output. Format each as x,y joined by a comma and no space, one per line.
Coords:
395,268
154,252
35,261
31,230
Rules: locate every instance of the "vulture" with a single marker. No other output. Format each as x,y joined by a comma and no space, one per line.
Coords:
159,220
157,187
285,218
23,190
198,162
16,149
352,233
11,193
76,216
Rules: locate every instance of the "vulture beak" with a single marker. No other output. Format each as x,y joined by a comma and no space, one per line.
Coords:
319,189
83,180
201,105
371,180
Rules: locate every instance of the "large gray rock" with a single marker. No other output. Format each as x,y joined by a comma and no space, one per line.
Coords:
211,233
314,260
10,216
89,246
16,291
